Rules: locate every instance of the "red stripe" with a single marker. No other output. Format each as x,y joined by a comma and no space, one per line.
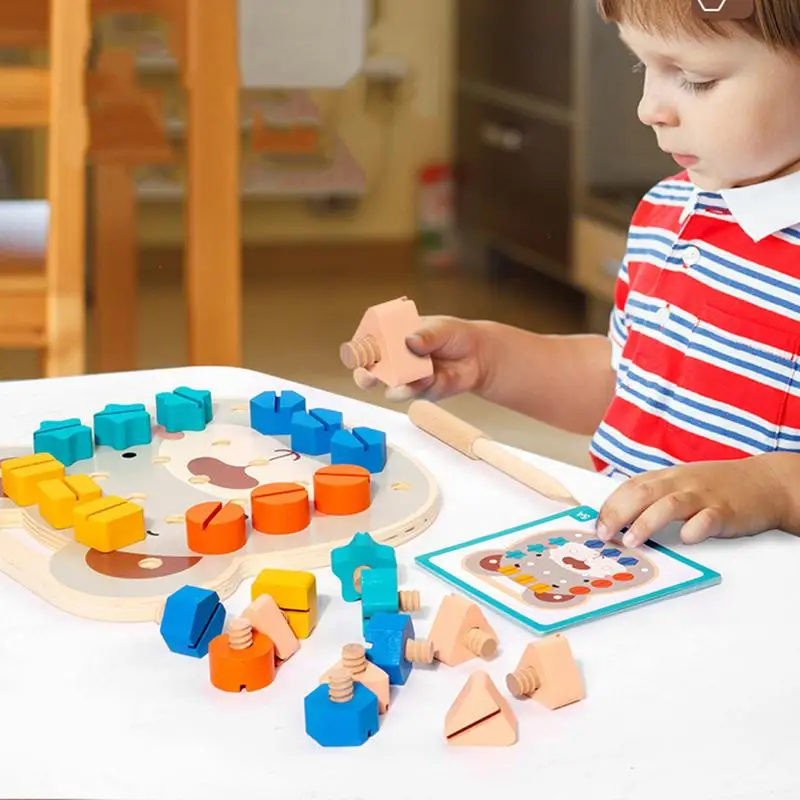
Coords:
724,313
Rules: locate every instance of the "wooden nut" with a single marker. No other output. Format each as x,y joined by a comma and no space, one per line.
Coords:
342,489
280,508
214,529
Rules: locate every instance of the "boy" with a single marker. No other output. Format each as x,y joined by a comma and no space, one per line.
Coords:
694,396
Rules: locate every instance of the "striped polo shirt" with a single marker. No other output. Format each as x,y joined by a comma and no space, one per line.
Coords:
705,328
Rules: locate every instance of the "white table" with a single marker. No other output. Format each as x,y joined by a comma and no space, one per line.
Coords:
697,697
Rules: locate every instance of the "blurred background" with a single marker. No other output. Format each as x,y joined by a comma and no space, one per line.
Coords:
482,157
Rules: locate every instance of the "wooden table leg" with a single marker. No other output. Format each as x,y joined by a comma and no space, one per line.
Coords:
115,275
213,243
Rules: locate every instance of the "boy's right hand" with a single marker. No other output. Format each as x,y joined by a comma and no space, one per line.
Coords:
457,349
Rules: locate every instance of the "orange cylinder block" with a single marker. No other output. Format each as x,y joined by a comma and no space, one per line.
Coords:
214,529
342,489
279,508
236,668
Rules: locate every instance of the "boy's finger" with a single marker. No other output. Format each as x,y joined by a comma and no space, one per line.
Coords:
430,336
364,378
669,508
409,391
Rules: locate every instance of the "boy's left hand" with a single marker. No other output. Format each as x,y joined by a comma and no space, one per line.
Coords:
721,499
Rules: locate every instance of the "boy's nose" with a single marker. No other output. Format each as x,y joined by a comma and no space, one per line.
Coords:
654,110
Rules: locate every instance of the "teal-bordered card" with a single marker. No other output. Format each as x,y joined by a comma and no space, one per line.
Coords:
554,573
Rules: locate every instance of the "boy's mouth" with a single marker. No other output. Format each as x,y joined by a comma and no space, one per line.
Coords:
684,160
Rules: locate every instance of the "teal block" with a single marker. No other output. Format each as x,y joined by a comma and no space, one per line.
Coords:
361,551
311,431
123,426
271,414
67,440
363,447
184,409
379,591
334,724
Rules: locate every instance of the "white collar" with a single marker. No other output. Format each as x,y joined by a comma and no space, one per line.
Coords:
763,208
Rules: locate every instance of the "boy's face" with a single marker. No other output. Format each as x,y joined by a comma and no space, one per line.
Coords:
726,109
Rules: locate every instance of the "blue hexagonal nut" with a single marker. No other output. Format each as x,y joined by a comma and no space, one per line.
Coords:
123,426
379,591
389,634
364,447
67,440
271,413
313,430
334,724
361,551
192,618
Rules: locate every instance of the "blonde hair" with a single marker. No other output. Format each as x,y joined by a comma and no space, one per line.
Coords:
776,23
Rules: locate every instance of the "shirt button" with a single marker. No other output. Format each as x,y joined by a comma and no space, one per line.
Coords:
691,256
663,315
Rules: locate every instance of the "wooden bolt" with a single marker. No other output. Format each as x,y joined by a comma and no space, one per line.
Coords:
419,651
523,682
354,658
363,351
240,634
548,672
409,600
461,632
479,642
340,685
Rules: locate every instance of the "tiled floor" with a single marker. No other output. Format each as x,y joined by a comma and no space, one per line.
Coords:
293,326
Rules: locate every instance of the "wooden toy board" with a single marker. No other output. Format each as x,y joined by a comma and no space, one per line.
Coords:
554,573
166,478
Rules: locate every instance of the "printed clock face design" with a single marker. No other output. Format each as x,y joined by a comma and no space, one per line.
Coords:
559,568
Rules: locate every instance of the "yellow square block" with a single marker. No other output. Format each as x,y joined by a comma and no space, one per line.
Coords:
109,523
21,476
58,498
301,622
292,590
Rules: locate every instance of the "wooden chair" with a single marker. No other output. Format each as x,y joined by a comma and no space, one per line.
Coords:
42,289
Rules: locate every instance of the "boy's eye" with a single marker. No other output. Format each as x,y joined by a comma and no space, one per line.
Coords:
697,86
638,67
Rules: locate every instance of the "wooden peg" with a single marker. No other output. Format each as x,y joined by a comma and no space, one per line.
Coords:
379,345
548,672
461,632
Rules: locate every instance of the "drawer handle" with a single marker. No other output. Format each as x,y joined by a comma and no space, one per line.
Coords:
510,140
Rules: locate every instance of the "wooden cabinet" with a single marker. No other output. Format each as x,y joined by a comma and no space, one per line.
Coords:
524,46
514,178
513,139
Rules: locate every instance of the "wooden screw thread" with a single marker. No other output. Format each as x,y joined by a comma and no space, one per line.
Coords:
354,658
480,643
357,577
240,635
361,352
523,682
340,686
409,600
419,651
